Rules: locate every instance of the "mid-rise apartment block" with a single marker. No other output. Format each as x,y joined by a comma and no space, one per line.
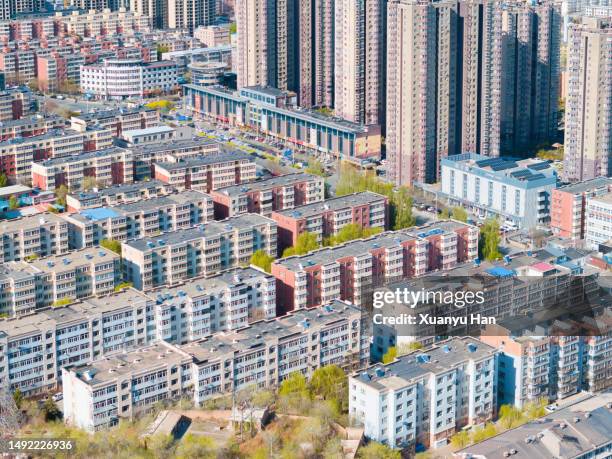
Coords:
204,250
111,166
207,173
27,127
268,195
428,395
18,154
143,218
598,220
59,72
69,276
517,191
34,236
588,121
117,120
99,394
351,271
212,36
568,206
325,219
117,194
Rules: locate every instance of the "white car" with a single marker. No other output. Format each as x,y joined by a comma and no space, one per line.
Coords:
57,397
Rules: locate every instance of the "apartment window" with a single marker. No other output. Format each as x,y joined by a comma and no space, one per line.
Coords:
477,191
517,202
452,182
490,192
465,186
504,197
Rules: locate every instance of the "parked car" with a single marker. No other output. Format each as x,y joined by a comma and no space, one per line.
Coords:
57,397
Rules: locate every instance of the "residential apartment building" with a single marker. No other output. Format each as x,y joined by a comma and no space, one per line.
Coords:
517,191
325,219
169,152
204,250
27,127
488,82
68,276
588,121
124,78
93,23
351,271
34,236
18,154
268,195
112,166
212,36
189,14
18,65
11,105
428,395
143,218
568,206
274,113
98,395
598,228
207,173
58,73
586,424
117,120
117,194
359,66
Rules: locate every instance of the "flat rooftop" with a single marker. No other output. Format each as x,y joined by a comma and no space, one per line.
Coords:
28,222
215,158
266,184
69,260
604,198
173,145
333,204
587,185
436,359
112,114
147,131
206,230
83,156
125,188
179,198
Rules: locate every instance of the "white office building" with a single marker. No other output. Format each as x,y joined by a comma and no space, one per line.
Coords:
598,226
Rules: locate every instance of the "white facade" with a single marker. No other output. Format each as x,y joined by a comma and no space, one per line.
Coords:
519,192
598,227
125,78
426,396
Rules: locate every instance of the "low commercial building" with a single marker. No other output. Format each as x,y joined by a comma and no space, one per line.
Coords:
516,191
67,277
118,120
17,155
568,206
272,194
581,430
352,270
98,395
35,236
325,219
274,113
118,194
112,166
146,218
207,173
598,220
426,396
150,135
204,250
124,78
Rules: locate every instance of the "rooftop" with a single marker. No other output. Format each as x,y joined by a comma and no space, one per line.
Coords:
587,185
120,189
436,359
604,198
112,114
207,230
174,145
69,260
266,184
333,204
147,131
83,156
206,160
180,198
29,222
567,433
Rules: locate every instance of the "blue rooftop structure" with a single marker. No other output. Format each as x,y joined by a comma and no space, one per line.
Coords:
100,213
498,271
432,232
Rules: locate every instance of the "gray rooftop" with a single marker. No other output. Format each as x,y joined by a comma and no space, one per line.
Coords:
29,222
174,145
568,433
112,114
120,189
266,184
587,185
82,156
69,260
207,230
180,198
333,204
206,160
439,358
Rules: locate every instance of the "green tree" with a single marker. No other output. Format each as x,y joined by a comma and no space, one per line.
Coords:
306,242
161,445
112,245
461,439
294,394
161,49
445,214
89,183
390,355
263,260
18,397
60,194
482,433
375,450
510,416
122,286
50,411
3,180
233,28
489,240
351,232
62,302
460,214
196,447
330,383
262,398
13,203
401,207
315,168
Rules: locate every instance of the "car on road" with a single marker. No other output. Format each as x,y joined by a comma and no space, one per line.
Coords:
57,397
